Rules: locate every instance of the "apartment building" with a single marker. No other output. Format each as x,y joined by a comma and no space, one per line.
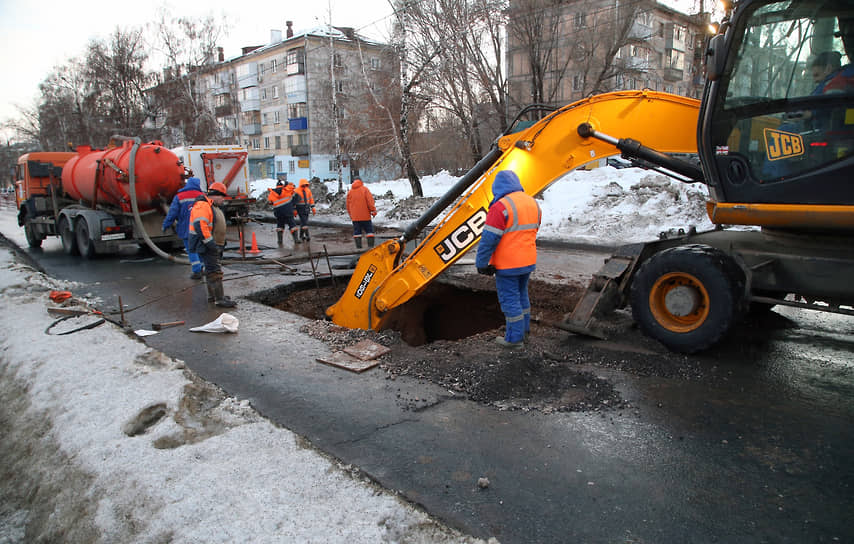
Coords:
592,46
277,100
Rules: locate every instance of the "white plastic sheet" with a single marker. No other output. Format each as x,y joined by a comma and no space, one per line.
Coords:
223,323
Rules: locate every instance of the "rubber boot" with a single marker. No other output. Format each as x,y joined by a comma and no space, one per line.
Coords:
296,236
358,241
209,283
370,241
221,300
279,237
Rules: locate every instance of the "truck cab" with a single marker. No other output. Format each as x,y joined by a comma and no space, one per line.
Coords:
37,192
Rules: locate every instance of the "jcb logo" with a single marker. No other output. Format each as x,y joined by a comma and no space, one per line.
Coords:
366,279
783,145
462,237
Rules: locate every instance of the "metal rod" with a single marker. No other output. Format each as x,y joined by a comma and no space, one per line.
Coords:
329,266
122,310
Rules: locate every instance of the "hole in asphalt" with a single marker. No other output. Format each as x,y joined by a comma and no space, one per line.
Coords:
441,312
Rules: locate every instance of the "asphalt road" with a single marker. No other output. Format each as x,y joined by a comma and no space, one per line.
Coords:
754,444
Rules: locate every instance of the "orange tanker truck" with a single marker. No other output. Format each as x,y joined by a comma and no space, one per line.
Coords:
98,201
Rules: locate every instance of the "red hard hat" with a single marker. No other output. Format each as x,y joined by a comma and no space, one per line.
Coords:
217,188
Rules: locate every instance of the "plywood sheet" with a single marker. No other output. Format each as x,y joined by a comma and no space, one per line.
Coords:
367,350
347,362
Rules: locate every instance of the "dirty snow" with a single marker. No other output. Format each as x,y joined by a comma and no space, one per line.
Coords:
121,442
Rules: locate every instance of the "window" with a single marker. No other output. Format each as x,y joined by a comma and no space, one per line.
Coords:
302,139
296,111
577,83
260,67
246,143
264,93
339,87
274,66
256,143
292,167
266,142
375,64
580,20
290,140
279,146
275,91
336,60
333,165
264,120
276,116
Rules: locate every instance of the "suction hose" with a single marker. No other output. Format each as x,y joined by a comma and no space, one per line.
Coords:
135,206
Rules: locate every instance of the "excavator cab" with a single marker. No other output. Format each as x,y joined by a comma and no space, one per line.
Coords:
777,122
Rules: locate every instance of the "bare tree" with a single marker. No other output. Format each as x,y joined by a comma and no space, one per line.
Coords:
189,47
117,69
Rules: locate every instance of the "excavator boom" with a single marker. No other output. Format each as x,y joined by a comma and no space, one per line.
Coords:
385,278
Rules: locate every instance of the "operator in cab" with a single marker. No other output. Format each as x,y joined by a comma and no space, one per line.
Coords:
508,249
207,223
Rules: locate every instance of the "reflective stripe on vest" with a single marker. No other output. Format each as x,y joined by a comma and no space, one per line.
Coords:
518,245
281,201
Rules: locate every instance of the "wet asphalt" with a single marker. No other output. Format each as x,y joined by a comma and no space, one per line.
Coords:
761,449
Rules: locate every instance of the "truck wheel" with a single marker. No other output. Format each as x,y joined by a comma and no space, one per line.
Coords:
84,241
34,239
688,297
69,241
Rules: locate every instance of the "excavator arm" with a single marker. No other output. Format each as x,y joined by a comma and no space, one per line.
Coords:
567,138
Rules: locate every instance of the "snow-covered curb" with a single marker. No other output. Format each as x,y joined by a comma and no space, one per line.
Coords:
91,461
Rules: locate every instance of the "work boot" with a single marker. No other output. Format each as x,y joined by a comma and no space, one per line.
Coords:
370,241
304,235
296,237
509,345
209,283
279,237
196,276
358,241
220,299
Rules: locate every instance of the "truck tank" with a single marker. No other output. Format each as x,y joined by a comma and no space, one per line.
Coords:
101,176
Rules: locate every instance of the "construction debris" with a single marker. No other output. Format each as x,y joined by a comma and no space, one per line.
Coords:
347,362
367,350
166,325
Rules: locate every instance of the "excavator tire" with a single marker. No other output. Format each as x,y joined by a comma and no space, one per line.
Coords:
688,297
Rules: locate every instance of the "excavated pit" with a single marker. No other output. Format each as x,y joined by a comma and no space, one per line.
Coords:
441,312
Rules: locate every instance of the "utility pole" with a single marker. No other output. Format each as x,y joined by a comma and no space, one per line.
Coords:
335,101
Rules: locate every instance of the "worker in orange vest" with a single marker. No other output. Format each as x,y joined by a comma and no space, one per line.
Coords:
360,206
281,197
204,223
508,249
304,201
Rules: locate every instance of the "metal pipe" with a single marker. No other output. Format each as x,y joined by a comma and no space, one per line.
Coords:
448,198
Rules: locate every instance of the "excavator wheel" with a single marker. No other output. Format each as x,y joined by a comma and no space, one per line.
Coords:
688,297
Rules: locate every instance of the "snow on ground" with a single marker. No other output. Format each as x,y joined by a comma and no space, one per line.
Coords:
606,205
82,461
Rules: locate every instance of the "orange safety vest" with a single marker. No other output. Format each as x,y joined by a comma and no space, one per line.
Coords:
280,198
202,220
518,245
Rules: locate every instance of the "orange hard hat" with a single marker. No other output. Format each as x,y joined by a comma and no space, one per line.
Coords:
217,188
302,182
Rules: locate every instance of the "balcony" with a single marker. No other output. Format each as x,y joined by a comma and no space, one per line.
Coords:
251,104
223,111
248,80
300,150
295,68
639,31
252,129
298,123
221,88
673,74
297,97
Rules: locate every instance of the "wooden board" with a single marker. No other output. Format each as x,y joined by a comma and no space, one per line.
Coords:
367,350
347,362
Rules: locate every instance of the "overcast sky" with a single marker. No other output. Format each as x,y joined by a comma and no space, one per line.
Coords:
34,40
36,37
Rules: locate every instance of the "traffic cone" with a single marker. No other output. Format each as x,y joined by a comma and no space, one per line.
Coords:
254,249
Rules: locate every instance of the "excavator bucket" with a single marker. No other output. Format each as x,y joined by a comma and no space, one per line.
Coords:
605,293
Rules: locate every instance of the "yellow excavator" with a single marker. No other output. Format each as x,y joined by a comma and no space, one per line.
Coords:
775,141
